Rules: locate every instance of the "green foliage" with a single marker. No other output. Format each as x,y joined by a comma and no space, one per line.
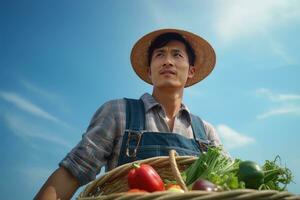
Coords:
221,170
216,167
276,177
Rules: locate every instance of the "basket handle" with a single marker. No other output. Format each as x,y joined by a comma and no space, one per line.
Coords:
176,172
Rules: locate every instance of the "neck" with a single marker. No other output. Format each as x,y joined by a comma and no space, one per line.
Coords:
170,100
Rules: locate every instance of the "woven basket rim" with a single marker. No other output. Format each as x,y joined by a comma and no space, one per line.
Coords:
126,167
240,194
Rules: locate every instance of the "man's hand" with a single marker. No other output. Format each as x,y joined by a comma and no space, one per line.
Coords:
60,185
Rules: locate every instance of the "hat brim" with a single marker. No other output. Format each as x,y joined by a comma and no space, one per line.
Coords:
205,57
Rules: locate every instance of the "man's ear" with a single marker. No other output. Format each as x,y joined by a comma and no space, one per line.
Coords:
191,73
149,72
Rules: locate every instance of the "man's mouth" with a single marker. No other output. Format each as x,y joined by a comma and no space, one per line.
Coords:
168,71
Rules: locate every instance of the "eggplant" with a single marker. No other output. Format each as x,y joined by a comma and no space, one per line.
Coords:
202,184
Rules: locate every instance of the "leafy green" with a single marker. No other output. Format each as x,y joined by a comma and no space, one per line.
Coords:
221,170
216,167
276,177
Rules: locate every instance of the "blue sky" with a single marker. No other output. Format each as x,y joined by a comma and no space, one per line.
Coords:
61,60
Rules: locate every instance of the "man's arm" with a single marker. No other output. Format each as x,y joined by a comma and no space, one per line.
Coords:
84,161
60,185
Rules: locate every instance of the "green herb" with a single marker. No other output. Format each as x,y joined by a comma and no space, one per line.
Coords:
229,174
276,177
214,166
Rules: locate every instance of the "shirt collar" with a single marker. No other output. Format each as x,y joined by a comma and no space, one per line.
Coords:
150,102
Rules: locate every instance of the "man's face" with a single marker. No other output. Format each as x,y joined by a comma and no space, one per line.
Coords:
170,66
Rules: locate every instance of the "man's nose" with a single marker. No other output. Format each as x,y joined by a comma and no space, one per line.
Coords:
168,61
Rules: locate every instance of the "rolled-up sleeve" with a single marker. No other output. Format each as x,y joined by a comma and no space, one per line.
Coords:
212,134
214,137
85,160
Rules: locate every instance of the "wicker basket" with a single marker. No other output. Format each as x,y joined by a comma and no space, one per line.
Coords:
113,185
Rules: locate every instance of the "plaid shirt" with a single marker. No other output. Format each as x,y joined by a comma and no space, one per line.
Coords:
101,143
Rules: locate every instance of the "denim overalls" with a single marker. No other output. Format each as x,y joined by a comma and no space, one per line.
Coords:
140,144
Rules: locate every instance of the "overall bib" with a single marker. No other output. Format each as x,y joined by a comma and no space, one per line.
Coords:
138,144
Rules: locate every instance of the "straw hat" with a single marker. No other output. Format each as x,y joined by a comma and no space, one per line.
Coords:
204,62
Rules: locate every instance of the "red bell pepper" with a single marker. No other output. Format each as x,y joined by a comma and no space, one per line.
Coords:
144,177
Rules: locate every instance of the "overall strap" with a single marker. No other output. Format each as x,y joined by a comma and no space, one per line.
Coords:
200,133
135,114
198,128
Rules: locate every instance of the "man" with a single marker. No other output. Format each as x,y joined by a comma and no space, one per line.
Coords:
125,130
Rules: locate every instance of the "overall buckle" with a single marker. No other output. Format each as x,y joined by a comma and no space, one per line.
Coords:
136,135
204,144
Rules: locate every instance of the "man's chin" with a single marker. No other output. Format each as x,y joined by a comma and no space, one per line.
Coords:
169,85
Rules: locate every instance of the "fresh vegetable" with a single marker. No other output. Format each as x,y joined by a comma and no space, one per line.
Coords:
172,186
276,177
229,174
137,191
251,174
202,184
215,167
175,189
169,186
144,177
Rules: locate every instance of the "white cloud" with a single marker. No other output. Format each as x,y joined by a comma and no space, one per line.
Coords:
231,138
39,91
25,128
50,97
294,110
280,51
29,107
276,97
288,103
236,19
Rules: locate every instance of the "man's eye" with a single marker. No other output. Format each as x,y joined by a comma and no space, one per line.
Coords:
178,55
158,55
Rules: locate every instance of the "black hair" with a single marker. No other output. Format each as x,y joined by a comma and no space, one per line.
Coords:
164,39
